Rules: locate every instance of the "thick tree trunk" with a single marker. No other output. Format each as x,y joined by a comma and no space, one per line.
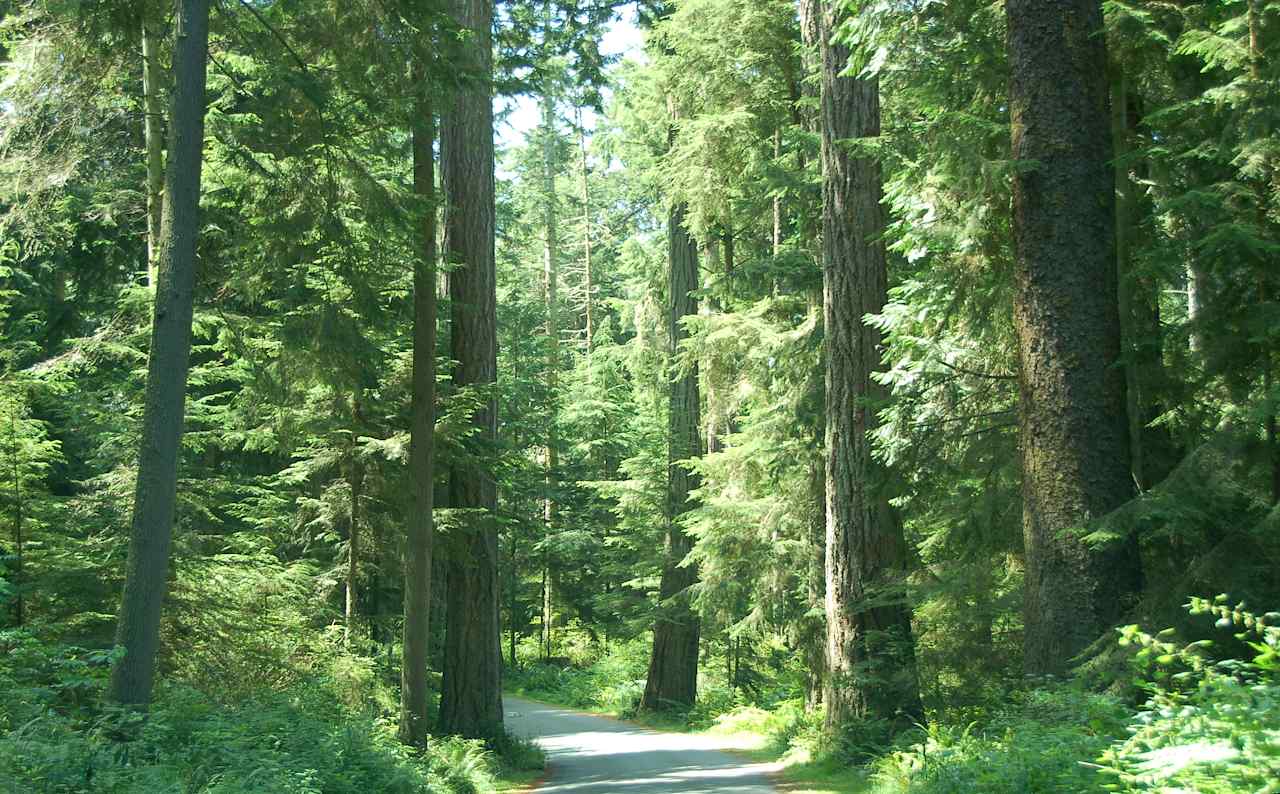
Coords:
414,691
1075,438
138,628
673,667
152,126
870,658
471,696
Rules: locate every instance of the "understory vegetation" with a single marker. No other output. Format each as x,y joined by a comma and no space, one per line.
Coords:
1190,716
328,728
888,387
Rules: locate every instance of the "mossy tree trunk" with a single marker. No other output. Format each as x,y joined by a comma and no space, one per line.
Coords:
1075,434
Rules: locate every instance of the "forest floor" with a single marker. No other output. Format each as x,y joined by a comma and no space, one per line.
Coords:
737,754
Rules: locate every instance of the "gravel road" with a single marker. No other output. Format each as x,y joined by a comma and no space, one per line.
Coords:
587,755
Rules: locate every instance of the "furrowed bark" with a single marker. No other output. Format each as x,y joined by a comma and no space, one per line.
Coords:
471,696
871,668
673,666
1075,435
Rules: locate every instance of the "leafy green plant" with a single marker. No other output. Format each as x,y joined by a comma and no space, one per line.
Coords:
1211,725
1034,743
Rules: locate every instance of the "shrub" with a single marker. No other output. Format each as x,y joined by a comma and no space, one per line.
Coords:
57,736
1035,743
1211,726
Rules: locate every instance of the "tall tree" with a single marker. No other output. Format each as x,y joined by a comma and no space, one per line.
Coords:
138,626
551,279
870,656
1075,438
153,136
471,696
417,570
673,665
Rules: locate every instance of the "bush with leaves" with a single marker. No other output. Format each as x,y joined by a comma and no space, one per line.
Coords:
57,735
1212,725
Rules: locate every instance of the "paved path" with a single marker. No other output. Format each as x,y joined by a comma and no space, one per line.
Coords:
593,755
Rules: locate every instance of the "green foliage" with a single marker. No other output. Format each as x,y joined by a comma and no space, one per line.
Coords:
612,683
1033,743
1211,723
302,739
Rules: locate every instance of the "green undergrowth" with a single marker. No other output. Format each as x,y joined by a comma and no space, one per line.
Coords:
1209,723
57,735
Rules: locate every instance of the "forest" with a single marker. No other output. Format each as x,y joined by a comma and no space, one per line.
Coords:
881,395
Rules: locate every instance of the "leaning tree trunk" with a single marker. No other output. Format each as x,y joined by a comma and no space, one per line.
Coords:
414,691
138,627
870,657
673,666
471,695
1075,437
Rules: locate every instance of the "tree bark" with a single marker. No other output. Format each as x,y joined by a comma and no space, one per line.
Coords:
813,637
551,278
1075,437
355,482
19,539
673,666
471,696
586,242
870,658
151,534
414,691
153,124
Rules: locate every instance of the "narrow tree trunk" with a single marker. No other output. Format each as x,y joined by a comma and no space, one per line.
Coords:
546,611
19,540
355,483
551,278
414,691
777,200
512,605
815,630
673,666
1075,439
153,123
730,260
813,639
138,628
1124,203
870,658
471,696
586,240
1268,374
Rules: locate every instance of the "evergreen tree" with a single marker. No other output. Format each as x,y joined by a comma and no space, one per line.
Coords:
1075,446
870,656
471,698
138,630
